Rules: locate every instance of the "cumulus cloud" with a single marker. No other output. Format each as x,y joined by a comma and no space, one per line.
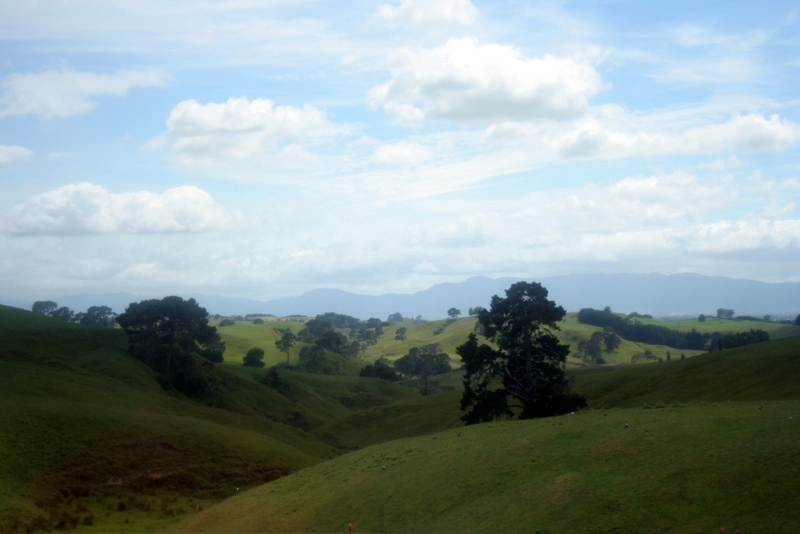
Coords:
63,93
466,82
420,13
86,208
242,129
13,154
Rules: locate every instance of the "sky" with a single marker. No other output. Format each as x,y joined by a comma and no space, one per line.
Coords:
264,148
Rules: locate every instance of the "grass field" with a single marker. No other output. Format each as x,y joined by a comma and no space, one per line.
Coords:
92,443
83,426
688,469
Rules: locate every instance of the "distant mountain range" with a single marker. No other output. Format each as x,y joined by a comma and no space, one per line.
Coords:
655,294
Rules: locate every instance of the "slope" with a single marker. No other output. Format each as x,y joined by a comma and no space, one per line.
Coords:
697,464
83,427
682,470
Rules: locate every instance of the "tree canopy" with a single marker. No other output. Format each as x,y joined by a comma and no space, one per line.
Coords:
525,366
254,358
161,331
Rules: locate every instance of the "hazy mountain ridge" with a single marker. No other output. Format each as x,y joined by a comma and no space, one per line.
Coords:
655,294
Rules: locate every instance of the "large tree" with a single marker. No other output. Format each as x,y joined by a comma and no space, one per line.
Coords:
422,363
526,365
254,357
162,330
44,307
99,316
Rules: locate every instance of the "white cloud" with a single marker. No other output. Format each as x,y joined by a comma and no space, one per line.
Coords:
421,13
14,153
65,93
86,208
243,129
743,133
469,83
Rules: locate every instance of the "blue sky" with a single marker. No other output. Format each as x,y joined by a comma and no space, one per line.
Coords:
266,148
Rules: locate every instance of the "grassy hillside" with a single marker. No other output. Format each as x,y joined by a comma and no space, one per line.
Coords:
714,447
245,335
572,332
727,326
84,427
91,441
765,371
693,469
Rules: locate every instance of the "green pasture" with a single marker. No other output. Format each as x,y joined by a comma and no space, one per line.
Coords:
683,469
727,326
92,442
244,335
83,425
768,371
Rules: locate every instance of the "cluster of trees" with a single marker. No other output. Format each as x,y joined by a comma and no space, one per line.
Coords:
94,316
321,332
633,330
593,348
725,313
416,367
526,365
739,339
397,317
380,369
166,334
421,363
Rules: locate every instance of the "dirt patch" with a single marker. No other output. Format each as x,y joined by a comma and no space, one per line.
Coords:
164,446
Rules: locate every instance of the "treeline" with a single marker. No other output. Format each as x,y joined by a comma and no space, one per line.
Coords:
632,329
94,316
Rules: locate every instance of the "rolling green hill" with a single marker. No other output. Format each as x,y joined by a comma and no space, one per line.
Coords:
705,443
83,427
92,442
694,469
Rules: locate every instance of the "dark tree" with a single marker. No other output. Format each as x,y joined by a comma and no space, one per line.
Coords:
63,314
99,316
254,358
797,320
701,318
160,331
422,363
400,334
333,341
453,313
313,330
213,349
611,339
379,369
313,360
396,317
44,307
724,313
286,343
526,366
594,347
